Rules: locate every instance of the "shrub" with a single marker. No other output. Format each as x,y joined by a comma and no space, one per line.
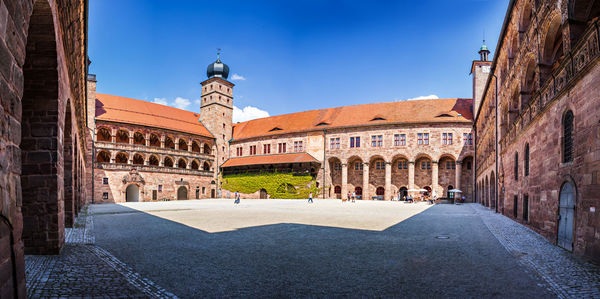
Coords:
278,185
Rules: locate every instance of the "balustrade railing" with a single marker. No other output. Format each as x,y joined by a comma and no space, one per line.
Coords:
574,63
152,168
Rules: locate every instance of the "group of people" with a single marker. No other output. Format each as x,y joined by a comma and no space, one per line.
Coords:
351,197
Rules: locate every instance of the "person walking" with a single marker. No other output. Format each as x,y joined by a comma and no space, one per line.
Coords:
310,197
237,197
354,196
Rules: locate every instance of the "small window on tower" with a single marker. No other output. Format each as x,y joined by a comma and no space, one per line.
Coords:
223,126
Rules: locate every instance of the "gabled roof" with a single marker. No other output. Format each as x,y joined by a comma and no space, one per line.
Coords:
270,159
138,112
417,111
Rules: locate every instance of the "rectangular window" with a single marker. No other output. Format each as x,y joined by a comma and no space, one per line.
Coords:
357,141
351,142
203,190
239,151
396,139
105,181
159,188
358,166
266,148
337,166
374,141
281,147
469,165
420,138
380,141
331,143
253,150
423,165
154,194
449,138
444,138
379,165
334,143
298,146
470,139
526,207
425,138
197,193
516,207
516,166
402,165
402,139
105,195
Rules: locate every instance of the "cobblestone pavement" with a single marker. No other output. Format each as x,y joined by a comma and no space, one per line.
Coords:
286,248
85,270
567,275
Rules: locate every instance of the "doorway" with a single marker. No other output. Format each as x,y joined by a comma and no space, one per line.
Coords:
263,194
132,193
182,193
566,216
403,193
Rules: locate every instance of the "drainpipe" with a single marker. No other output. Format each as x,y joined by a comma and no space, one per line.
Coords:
475,189
496,143
324,150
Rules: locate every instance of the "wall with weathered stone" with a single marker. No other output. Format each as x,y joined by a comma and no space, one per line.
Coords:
42,61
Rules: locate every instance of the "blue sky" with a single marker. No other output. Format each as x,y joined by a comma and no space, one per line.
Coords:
293,55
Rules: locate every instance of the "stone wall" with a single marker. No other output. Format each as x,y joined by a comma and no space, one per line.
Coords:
547,64
42,77
165,185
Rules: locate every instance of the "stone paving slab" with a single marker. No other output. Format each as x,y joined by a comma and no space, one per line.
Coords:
567,275
83,269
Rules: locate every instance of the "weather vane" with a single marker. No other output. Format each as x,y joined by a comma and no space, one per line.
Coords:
218,53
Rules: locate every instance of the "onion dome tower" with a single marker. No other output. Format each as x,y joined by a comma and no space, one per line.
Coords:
217,69
483,52
216,111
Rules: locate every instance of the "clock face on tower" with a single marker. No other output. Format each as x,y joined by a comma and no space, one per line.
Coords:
485,68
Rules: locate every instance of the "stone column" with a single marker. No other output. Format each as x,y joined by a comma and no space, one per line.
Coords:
162,142
113,135
190,146
365,192
458,172
411,174
130,139
344,180
176,144
434,178
147,139
388,181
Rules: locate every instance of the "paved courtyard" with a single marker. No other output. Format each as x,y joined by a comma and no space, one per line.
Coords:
288,248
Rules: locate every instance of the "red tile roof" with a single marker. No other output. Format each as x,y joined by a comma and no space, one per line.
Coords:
132,111
417,111
270,159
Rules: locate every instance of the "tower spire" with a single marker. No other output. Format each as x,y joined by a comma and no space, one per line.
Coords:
484,52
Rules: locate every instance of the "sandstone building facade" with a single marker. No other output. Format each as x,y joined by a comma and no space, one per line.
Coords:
43,130
538,127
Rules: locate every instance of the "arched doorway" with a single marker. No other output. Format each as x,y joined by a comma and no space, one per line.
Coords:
132,193
263,194
358,191
380,191
450,194
567,216
403,193
182,193
337,190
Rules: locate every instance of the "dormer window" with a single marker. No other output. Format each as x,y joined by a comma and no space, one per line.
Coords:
322,124
275,129
378,117
444,115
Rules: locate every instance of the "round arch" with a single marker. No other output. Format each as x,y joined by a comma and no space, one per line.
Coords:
182,163
122,136
168,162
103,134
153,160
103,157
195,146
182,144
154,140
121,158
169,142
138,138
182,193
195,164
138,159
132,193
207,149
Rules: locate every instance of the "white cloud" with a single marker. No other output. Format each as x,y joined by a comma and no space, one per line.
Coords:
181,103
248,113
197,101
237,77
429,97
161,101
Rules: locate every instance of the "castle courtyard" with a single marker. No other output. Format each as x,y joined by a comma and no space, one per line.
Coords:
289,248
